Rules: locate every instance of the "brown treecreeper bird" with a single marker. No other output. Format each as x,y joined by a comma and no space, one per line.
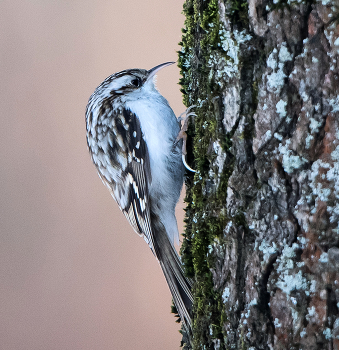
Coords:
133,138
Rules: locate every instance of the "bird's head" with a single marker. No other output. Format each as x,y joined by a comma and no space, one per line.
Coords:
129,81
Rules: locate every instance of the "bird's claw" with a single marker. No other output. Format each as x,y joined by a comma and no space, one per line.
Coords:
182,134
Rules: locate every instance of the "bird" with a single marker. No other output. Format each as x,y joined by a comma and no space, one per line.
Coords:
135,143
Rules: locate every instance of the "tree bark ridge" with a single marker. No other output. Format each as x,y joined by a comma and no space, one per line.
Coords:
262,234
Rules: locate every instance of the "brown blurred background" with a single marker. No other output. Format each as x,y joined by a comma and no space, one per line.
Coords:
73,274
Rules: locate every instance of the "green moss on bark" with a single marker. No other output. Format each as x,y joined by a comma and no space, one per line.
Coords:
205,219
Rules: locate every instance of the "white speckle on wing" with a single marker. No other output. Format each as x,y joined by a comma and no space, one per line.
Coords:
122,160
142,204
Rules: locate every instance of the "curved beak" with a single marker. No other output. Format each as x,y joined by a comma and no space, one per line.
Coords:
154,70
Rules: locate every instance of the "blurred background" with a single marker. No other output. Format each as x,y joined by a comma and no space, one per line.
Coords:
73,274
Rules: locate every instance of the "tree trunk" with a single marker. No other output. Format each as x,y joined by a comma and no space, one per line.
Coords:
262,234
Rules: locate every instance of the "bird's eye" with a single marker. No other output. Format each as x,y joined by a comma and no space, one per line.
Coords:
136,82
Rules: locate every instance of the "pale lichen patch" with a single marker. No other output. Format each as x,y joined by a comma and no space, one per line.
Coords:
290,161
288,283
281,108
276,61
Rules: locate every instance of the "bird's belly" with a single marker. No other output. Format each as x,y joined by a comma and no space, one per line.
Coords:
160,129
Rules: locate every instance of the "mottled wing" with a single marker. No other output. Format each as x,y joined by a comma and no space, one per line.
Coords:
138,178
125,169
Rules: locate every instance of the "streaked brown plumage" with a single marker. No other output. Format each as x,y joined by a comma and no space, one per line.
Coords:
132,138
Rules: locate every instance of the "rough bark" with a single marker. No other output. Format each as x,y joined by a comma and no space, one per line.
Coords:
262,234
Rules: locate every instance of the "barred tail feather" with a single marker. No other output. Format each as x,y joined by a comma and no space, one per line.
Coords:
179,287
170,263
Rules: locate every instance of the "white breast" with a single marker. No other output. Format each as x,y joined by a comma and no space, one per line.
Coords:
160,129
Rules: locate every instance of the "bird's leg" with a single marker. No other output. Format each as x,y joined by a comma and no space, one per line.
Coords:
182,134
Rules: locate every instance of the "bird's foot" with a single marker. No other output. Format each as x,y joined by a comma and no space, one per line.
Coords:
182,134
